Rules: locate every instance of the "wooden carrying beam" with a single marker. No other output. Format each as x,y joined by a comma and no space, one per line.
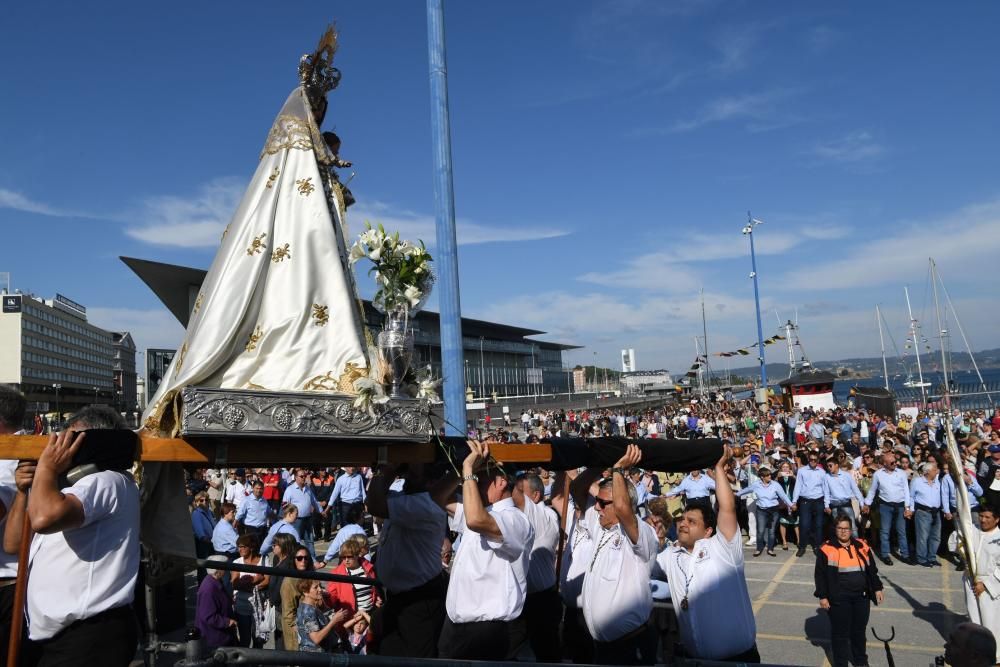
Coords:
279,452
558,454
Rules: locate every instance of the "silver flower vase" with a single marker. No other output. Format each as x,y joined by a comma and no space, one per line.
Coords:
395,351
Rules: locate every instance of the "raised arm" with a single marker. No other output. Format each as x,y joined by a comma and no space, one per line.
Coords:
476,517
620,496
727,523
49,509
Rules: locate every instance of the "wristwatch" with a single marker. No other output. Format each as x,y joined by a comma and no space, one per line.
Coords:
474,478
621,471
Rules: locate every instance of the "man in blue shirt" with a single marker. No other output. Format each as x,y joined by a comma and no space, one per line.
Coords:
224,535
770,498
928,500
809,498
203,524
254,513
893,491
351,527
695,487
350,491
289,513
300,494
840,489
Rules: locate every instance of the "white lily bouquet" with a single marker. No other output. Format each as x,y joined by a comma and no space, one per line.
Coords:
402,270
404,279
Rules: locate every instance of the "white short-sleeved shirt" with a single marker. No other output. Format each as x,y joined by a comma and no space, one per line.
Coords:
489,577
78,573
719,621
409,553
576,555
616,595
542,560
8,562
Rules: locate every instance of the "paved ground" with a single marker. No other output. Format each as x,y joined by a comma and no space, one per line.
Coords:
923,604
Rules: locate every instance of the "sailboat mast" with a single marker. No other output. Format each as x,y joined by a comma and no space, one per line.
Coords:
881,342
941,333
704,333
701,367
790,344
916,349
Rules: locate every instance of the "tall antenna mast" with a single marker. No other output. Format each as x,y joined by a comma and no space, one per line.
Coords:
881,342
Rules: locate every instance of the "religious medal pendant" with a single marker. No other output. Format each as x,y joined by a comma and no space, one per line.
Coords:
684,603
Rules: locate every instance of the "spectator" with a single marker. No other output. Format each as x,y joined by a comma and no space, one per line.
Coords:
214,616
317,627
847,582
203,524
290,596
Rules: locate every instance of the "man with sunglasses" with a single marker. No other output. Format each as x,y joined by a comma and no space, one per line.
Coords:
616,599
892,487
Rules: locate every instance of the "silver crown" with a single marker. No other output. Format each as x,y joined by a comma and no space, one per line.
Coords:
317,74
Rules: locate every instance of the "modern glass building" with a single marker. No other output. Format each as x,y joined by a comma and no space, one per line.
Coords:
50,352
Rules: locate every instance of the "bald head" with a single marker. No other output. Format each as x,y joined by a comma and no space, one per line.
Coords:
970,645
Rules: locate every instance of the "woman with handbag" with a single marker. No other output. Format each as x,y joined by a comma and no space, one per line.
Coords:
245,586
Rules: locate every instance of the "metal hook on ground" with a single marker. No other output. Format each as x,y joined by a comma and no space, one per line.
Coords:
888,651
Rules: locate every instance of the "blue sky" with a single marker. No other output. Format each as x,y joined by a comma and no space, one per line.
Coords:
605,156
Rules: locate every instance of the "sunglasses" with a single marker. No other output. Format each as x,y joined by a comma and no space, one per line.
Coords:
600,502
301,558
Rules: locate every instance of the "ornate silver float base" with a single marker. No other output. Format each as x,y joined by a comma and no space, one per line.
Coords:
312,415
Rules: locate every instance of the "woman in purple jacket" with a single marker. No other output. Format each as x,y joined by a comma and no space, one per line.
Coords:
214,616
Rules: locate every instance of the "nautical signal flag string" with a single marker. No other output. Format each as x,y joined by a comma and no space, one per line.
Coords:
699,361
745,351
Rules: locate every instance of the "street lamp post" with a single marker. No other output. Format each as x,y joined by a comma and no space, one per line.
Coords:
482,369
95,394
748,231
57,387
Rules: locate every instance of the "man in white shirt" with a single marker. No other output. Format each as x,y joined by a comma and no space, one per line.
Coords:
84,556
410,556
235,490
575,507
12,408
542,608
489,572
616,595
982,590
707,584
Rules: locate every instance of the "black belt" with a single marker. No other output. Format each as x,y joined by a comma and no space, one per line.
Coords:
837,505
927,508
810,500
886,502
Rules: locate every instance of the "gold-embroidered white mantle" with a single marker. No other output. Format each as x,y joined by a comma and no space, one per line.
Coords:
247,295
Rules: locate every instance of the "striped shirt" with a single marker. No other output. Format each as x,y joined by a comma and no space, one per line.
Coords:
362,592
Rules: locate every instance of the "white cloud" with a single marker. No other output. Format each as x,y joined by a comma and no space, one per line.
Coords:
18,202
192,222
852,148
198,221
670,270
155,328
762,111
419,226
964,239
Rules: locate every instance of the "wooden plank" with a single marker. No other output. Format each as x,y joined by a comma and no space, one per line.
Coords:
521,453
263,452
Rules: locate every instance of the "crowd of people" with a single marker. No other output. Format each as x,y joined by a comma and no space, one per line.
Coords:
471,560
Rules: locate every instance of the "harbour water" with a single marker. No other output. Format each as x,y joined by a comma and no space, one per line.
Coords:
967,392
